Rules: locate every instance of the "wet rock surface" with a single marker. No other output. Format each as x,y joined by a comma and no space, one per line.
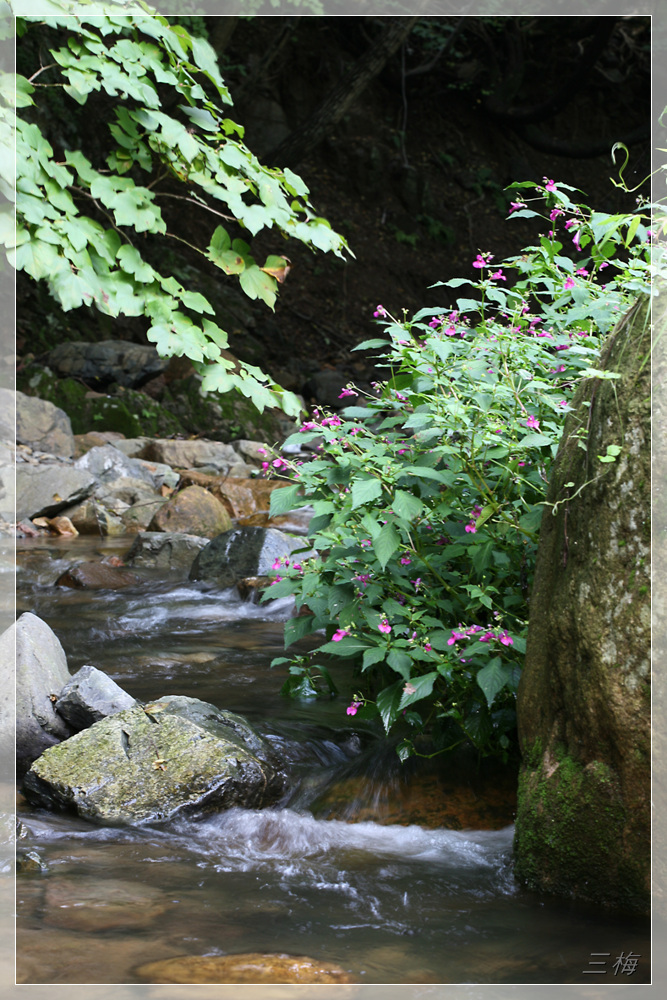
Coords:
97,576
241,553
192,511
89,696
249,968
168,550
146,765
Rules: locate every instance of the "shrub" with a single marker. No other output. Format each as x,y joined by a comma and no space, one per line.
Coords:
428,498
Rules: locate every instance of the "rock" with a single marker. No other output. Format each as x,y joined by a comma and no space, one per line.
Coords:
133,447
49,489
172,551
193,511
120,494
91,695
101,904
254,452
41,674
146,765
196,454
240,553
108,465
583,827
107,362
252,587
92,518
7,418
40,424
94,439
139,515
97,576
249,968
8,483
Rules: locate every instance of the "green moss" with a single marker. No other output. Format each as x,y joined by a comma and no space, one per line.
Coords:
569,837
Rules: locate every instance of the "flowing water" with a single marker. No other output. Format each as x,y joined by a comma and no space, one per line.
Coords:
400,895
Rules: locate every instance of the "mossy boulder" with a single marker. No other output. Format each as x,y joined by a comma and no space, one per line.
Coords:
146,765
583,815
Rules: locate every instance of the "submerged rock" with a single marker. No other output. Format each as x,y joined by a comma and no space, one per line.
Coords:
241,553
41,673
248,968
89,696
101,904
97,576
145,765
583,825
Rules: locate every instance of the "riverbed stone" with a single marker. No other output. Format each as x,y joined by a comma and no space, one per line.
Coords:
92,905
40,424
219,457
193,511
168,550
89,696
253,967
41,674
583,827
97,576
241,553
48,489
139,515
92,517
108,465
146,765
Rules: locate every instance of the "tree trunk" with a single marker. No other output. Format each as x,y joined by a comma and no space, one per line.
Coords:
307,136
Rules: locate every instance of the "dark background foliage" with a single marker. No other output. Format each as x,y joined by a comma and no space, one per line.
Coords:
411,170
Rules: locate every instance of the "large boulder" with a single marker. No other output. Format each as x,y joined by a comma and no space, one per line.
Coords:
89,696
107,362
240,553
583,819
146,765
48,488
171,551
193,511
41,674
40,424
109,465
213,455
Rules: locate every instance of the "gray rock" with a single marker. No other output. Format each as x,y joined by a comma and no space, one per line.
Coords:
240,553
91,695
107,464
47,489
119,494
92,518
192,454
139,515
40,424
147,765
583,826
7,482
7,415
172,551
41,674
133,447
107,362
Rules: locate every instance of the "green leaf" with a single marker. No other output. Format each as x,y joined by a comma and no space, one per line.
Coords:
387,703
400,662
258,285
365,491
376,654
492,678
284,499
296,628
406,505
349,646
386,543
417,688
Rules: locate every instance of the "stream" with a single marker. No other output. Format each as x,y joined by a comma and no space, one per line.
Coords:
366,865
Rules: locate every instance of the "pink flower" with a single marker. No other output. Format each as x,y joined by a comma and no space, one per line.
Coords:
486,636
514,205
363,579
417,583
265,465
384,626
339,634
555,212
278,463
427,646
354,707
471,528
347,392
381,312
533,422
569,282
498,275
506,639
582,270
405,560
563,402
549,185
